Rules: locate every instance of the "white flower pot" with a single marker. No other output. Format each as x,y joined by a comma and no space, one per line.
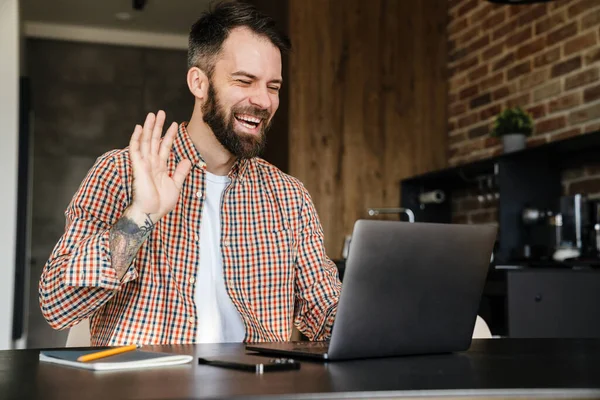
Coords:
514,142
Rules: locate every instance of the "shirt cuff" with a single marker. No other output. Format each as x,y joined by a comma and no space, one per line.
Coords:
90,265
325,331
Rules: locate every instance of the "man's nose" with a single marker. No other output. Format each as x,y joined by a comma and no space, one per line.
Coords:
260,98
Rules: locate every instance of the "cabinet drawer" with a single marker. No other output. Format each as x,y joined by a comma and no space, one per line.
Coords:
553,304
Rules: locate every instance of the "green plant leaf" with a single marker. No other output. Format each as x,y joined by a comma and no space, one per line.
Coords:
512,120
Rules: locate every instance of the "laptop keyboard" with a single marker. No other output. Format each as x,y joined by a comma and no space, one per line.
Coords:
319,349
317,345
311,347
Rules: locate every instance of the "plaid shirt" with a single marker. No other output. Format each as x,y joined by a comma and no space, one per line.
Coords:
275,267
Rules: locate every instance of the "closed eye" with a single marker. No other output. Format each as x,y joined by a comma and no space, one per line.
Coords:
243,81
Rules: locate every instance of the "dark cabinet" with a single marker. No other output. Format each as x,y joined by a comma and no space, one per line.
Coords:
553,303
536,301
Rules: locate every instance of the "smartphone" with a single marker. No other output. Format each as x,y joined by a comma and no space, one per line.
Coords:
256,365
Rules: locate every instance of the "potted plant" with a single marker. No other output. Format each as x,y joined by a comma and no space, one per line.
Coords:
513,125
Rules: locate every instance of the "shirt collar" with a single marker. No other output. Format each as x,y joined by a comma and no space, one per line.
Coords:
238,170
184,149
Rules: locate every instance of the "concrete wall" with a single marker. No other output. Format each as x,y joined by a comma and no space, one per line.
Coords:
86,99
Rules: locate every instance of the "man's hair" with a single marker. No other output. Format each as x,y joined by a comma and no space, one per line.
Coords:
212,29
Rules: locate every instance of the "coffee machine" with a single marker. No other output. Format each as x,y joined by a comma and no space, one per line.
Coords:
574,217
575,226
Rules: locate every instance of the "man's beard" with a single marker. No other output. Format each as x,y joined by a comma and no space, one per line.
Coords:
241,145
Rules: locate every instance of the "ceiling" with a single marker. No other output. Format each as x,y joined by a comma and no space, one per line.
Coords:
160,16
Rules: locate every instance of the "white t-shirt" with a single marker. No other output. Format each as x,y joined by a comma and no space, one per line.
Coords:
218,319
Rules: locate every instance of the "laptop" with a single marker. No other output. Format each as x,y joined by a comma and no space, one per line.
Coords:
409,288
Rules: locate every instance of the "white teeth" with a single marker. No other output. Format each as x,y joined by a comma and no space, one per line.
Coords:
249,118
247,125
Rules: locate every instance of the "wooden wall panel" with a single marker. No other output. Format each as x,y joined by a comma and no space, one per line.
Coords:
367,102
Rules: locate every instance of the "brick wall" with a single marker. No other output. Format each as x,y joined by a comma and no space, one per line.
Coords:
543,57
472,206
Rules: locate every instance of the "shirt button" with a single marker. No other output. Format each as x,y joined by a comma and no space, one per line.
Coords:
197,238
225,243
191,320
199,194
192,280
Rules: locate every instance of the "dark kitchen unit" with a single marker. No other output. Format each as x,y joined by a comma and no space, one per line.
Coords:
544,276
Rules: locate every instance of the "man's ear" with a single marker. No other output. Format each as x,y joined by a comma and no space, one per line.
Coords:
197,83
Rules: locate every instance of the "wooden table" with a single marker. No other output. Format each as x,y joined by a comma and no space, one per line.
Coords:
525,368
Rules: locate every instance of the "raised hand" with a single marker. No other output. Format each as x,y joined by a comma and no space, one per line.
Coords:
155,192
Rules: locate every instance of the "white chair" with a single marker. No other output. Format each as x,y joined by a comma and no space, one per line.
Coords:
79,335
482,330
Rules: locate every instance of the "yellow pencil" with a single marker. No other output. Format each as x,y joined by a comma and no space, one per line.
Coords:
106,353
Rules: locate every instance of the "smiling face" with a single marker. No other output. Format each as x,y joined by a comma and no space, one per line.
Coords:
243,93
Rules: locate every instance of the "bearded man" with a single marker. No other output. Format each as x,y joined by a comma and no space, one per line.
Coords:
190,237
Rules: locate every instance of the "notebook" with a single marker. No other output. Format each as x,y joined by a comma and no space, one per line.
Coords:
130,360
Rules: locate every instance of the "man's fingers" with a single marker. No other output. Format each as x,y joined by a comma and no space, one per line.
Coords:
134,143
147,135
167,142
157,132
181,172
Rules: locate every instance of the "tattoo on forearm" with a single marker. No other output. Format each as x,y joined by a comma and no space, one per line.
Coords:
125,239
